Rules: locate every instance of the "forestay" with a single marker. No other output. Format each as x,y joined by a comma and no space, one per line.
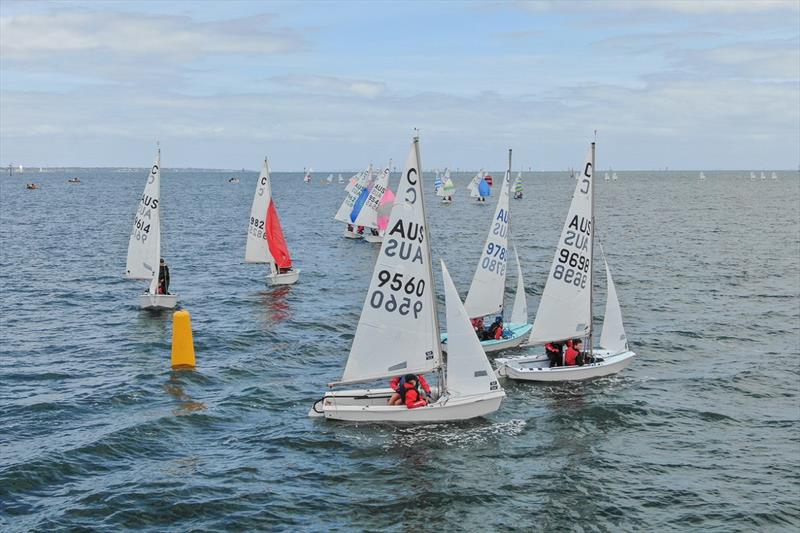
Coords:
519,313
468,369
613,335
564,309
368,216
144,245
257,248
485,296
396,333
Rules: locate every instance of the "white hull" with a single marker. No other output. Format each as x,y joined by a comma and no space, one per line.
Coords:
537,368
372,405
519,333
158,301
369,237
351,234
287,278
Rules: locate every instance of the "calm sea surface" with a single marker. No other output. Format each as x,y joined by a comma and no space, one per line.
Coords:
701,432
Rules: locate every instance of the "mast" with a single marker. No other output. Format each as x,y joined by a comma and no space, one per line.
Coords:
591,260
436,340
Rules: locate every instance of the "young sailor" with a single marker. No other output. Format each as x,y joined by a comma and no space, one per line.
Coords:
407,391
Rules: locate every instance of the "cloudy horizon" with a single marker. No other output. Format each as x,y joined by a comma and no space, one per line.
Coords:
675,84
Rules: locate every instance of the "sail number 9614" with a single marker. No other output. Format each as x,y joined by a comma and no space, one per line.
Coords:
412,288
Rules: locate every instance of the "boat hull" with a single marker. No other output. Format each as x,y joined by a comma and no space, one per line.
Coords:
158,301
287,278
519,332
537,368
369,237
372,405
352,234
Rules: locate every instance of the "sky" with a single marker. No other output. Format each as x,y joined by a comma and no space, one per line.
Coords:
711,84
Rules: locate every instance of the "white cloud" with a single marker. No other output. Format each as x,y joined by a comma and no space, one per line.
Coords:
333,85
676,6
122,36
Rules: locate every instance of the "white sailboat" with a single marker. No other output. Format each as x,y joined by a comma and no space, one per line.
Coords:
486,293
398,332
752,176
307,175
702,176
353,189
144,245
774,176
565,308
368,215
265,240
341,179
518,191
329,179
607,177
614,176
763,176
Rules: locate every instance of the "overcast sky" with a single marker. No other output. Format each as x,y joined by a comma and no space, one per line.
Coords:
684,84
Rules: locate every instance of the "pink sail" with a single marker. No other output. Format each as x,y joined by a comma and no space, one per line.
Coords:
385,209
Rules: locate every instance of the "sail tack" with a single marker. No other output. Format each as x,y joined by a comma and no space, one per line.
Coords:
144,245
485,296
564,309
396,333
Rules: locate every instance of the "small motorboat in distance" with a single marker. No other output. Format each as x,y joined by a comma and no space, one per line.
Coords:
233,180
74,180
31,186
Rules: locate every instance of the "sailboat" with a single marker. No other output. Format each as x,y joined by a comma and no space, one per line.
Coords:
354,188
307,175
437,183
614,176
774,176
144,245
487,291
565,308
265,240
607,177
484,190
518,186
448,189
763,176
752,176
329,179
21,170
702,176
472,187
366,214
341,179
398,331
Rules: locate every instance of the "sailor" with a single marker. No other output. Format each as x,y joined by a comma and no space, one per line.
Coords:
573,351
163,277
555,353
404,385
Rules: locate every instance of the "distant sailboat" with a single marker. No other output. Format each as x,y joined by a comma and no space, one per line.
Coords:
752,176
565,307
144,245
437,183
774,176
329,179
354,189
763,176
607,177
366,214
307,175
341,179
265,240
702,176
518,186
614,176
448,189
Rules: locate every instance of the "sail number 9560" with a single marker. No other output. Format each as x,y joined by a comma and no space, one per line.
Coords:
409,290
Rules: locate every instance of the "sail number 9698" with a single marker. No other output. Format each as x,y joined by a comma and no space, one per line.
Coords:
411,287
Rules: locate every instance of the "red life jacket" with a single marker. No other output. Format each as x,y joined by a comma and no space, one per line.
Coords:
570,356
413,399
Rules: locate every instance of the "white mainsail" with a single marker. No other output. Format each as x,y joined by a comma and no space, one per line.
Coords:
519,313
440,191
368,216
468,370
613,335
485,296
341,179
397,331
564,309
257,249
144,245
353,189
473,185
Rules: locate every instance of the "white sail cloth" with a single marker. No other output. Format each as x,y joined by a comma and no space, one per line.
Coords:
613,335
368,216
257,248
353,192
144,245
468,370
397,331
519,313
485,296
564,309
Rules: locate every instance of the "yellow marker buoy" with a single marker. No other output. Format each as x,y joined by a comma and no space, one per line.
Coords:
182,342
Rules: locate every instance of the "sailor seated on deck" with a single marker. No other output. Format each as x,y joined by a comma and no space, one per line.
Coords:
163,278
374,232
555,353
284,270
407,391
576,357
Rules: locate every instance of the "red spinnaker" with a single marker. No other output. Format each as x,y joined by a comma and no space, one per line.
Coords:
275,239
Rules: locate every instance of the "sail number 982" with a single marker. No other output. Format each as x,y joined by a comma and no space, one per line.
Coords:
411,287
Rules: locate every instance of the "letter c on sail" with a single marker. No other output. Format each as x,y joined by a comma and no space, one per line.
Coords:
408,176
412,192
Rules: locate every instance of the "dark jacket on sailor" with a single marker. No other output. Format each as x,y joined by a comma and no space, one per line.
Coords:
163,277
398,381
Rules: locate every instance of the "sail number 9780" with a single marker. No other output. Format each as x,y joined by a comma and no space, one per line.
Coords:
411,287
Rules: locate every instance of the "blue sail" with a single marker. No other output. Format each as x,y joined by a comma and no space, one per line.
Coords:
359,204
484,189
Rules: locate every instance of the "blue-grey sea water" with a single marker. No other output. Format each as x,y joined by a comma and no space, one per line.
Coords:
97,433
